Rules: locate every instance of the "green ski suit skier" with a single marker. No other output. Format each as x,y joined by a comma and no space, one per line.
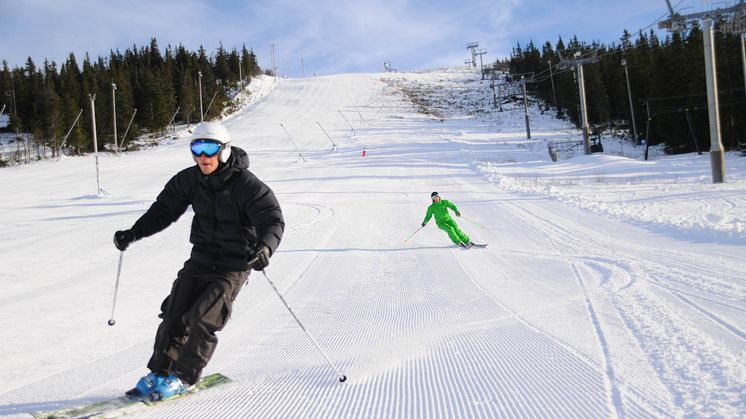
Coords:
439,210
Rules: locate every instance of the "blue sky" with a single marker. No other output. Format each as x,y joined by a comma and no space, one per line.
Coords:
330,36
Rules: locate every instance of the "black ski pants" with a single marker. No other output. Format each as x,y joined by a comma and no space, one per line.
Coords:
199,305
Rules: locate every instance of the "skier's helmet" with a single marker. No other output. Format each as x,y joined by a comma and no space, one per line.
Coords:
433,195
211,132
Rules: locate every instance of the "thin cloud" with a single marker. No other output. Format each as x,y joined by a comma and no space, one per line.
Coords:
329,36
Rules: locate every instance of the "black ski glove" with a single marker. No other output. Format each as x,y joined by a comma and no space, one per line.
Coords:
423,224
261,260
123,238
458,214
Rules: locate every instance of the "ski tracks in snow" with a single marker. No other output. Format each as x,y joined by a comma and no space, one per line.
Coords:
559,317
581,368
612,388
666,331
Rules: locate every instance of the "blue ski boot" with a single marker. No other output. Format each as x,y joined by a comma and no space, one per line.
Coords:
169,387
145,386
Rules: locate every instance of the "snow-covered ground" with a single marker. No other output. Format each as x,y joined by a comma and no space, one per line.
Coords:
259,87
611,286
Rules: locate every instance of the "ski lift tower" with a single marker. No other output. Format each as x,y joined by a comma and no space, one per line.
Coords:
522,79
473,46
730,20
578,60
480,53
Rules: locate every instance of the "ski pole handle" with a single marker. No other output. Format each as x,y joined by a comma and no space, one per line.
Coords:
410,236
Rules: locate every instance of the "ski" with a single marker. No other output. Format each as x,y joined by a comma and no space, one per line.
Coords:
473,245
123,405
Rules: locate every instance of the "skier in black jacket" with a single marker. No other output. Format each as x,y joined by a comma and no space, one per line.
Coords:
237,226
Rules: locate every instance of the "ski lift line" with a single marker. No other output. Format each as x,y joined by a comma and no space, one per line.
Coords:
676,18
541,76
561,69
535,79
616,51
702,107
662,17
690,95
620,49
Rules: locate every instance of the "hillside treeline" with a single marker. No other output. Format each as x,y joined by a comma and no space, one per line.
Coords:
667,81
45,100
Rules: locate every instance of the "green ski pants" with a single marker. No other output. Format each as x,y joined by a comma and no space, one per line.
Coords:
454,233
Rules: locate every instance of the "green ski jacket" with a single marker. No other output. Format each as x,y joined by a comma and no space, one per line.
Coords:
440,211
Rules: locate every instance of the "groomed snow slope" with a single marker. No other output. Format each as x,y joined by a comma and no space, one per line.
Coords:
571,311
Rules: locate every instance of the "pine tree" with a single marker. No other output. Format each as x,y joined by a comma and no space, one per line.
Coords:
222,69
54,123
32,101
6,89
45,103
563,82
72,102
155,60
209,89
251,66
234,63
167,103
549,57
597,96
89,91
185,81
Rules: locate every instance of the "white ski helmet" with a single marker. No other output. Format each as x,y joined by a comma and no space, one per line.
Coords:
213,131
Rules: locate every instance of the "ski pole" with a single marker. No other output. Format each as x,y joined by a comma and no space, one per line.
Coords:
112,322
473,222
342,377
410,236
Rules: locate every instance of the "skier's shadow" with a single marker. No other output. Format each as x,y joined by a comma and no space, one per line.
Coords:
28,408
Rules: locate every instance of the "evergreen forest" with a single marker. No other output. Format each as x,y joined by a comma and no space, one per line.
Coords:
666,83
154,90
158,89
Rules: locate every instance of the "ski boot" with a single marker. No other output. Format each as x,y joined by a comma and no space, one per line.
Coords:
145,386
169,387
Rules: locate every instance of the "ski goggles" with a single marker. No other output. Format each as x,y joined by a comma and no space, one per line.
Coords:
205,146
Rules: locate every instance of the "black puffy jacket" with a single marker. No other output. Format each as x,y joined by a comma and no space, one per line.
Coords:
233,212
